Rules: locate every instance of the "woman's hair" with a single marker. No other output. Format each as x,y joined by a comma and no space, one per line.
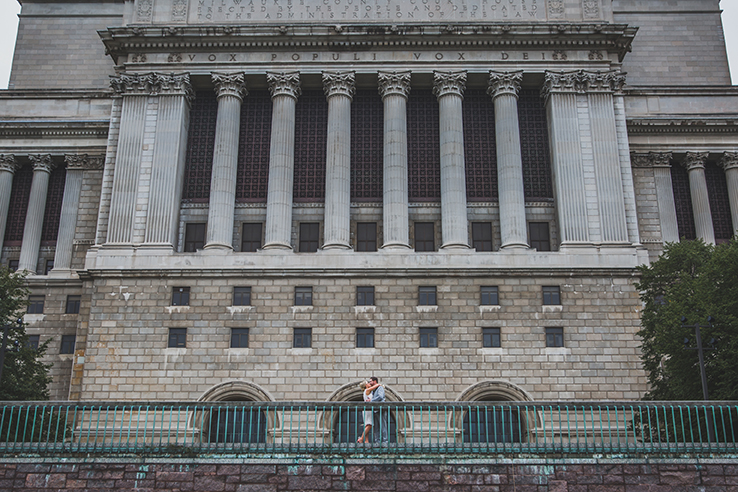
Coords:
362,385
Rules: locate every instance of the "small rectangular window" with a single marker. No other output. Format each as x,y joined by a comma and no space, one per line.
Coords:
251,237
366,236
13,265
67,344
424,236
365,296
554,337
309,237
489,296
427,296
539,236
303,296
429,337
364,337
73,304
239,338
177,338
551,295
36,304
482,236
33,341
180,296
194,236
242,296
491,337
302,338
48,266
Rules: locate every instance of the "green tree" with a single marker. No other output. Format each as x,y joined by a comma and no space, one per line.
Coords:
24,376
690,280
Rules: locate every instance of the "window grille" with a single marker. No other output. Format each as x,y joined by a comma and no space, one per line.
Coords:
367,146
423,147
18,207
537,182
717,191
311,127
253,147
54,198
480,155
200,145
683,202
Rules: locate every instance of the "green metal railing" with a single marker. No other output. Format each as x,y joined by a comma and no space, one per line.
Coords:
259,428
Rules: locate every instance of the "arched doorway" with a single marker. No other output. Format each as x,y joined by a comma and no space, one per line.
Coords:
501,423
233,422
347,424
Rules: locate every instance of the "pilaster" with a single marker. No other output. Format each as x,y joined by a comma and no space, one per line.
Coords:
8,166
729,163
694,162
42,167
660,162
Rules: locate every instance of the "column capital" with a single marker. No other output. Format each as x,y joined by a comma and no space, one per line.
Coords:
582,82
729,160
695,160
284,84
81,162
451,82
394,83
131,84
339,83
172,85
651,159
229,84
42,162
8,163
504,83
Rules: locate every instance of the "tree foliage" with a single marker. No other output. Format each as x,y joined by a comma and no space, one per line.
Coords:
24,376
693,280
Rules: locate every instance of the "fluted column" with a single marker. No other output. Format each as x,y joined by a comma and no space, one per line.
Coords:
42,167
285,89
394,87
7,170
449,89
660,162
695,164
339,89
167,172
729,163
230,90
504,88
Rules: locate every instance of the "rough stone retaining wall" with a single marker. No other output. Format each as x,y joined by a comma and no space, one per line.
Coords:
226,475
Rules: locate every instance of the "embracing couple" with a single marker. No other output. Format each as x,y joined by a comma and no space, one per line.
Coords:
376,418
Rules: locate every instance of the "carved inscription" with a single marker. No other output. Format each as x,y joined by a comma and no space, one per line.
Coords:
365,10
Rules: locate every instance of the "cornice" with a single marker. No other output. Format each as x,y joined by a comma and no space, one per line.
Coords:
682,125
54,129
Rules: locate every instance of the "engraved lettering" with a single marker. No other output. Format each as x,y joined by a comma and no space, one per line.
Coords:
212,57
233,57
461,56
505,56
416,55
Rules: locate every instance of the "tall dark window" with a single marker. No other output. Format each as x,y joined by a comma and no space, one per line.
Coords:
33,341
492,424
251,237
302,338
73,303
303,296
480,156
13,265
683,202
551,295
194,236
539,236
367,150
36,305
537,182
309,237
311,116
365,295
180,296
429,337
237,424
253,147
366,236
491,337
67,344
489,296
48,266
365,337
427,296
239,337
177,338
554,337
423,147
482,236
200,146
18,206
52,214
242,296
717,192
424,236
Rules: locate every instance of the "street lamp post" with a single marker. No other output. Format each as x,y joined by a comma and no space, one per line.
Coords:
6,329
701,354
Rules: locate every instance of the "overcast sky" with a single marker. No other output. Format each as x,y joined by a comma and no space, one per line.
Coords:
9,25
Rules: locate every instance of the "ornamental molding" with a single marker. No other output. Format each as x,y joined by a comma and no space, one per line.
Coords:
152,84
339,83
695,160
651,159
230,84
42,162
729,160
504,83
83,162
682,125
284,84
449,83
582,82
394,83
8,163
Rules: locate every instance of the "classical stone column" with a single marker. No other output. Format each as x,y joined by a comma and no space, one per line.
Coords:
7,171
661,165
504,88
339,89
285,89
394,87
230,90
135,90
42,167
626,168
695,164
449,89
729,162
170,148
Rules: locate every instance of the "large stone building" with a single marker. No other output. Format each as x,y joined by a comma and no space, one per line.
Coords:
273,199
